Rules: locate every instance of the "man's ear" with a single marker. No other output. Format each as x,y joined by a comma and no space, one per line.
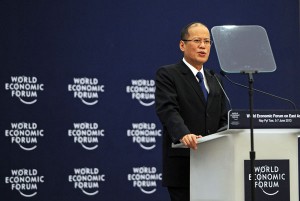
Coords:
182,45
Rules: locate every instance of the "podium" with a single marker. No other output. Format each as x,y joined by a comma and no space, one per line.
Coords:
217,170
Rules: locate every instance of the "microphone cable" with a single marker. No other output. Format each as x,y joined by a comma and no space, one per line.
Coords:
260,91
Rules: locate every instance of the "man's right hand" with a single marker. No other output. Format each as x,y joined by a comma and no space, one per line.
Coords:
190,140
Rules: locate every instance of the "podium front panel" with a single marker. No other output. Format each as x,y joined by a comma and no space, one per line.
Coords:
217,166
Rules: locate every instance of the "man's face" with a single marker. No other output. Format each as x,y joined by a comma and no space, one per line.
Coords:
196,53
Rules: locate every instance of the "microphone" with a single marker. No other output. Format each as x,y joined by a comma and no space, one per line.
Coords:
213,74
263,92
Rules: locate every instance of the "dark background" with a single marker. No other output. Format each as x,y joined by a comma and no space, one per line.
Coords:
116,42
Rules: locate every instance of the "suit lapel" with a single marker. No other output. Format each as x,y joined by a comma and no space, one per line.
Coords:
211,84
191,79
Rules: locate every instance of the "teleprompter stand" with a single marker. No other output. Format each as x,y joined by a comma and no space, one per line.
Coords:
244,49
252,151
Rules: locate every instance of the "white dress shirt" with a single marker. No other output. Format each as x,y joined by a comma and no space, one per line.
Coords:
195,71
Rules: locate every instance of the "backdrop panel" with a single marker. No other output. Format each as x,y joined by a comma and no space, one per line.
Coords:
77,89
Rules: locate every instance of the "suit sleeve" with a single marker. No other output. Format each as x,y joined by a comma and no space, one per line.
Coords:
167,106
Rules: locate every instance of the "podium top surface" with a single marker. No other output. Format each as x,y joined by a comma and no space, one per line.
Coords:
228,132
202,140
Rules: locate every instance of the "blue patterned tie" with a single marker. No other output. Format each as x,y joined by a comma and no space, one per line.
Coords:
201,82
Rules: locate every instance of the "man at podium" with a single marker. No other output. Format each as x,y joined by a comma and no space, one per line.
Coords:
188,105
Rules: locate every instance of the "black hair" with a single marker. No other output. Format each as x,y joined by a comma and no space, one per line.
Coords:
185,31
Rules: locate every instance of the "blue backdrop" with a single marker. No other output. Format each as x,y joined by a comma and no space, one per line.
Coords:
77,85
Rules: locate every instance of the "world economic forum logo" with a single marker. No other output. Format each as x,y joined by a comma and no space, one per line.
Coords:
145,178
87,134
25,181
86,89
268,179
143,91
24,134
144,134
87,180
25,88
271,179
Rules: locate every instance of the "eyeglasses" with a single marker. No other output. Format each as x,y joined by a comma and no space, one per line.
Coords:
206,42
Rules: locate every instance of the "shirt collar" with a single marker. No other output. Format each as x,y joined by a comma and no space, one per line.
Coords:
193,69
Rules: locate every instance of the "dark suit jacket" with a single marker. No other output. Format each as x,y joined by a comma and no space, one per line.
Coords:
181,108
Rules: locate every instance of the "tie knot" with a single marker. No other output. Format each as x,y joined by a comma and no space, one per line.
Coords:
199,76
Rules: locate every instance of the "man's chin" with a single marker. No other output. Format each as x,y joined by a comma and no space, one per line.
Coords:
202,60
